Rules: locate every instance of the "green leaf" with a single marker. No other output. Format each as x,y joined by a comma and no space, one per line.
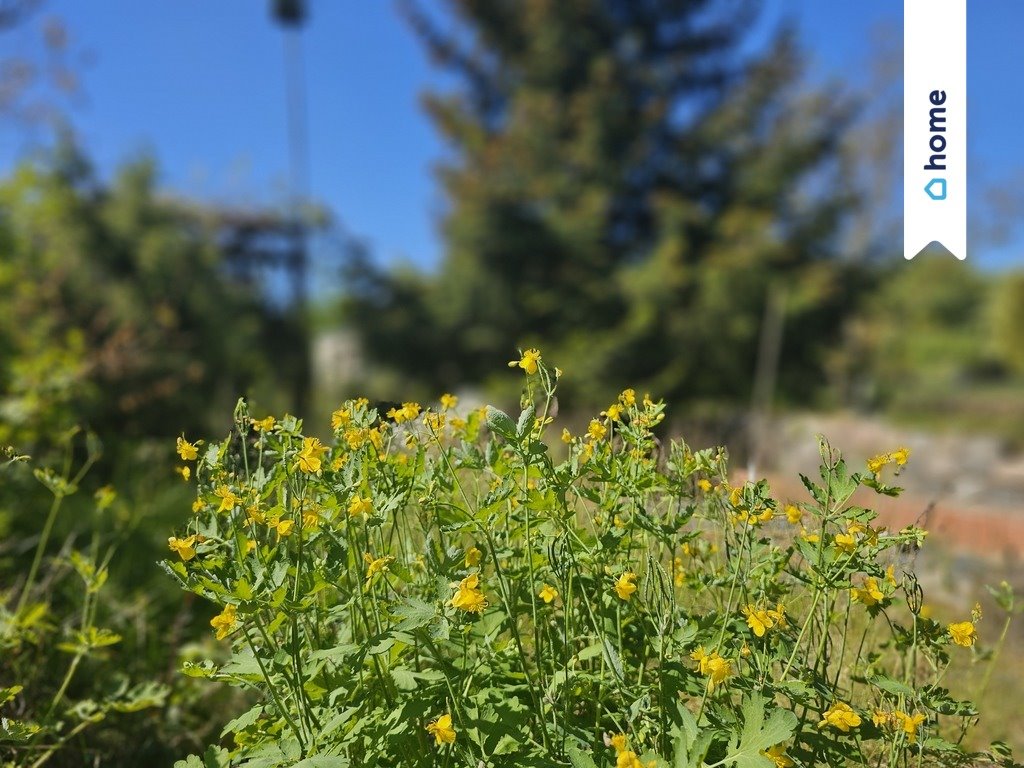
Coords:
414,613
579,758
500,423
525,423
243,721
6,694
323,761
17,730
758,735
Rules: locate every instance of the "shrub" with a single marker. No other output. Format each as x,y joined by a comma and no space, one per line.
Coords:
57,681
433,588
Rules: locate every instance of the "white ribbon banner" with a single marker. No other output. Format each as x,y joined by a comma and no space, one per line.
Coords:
935,126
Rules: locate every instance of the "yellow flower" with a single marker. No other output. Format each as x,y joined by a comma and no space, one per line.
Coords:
890,575
311,455
442,730
264,425
846,542
468,596
869,594
900,456
628,397
876,463
187,450
963,633
408,412
186,547
909,724
547,593
626,585
224,621
793,514
718,669
375,565
881,718
614,412
360,506
811,538
596,430
712,665
228,499
704,484
449,401
185,472
758,619
340,418
778,755
197,506
283,527
566,436
841,717
778,615
473,556
528,362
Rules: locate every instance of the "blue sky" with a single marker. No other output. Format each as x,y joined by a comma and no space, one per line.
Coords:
200,84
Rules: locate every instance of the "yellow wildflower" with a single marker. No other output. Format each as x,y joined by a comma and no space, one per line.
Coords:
809,537
881,718
890,575
909,724
900,456
442,731
628,397
841,717
198,505
626,585
777,754
340,418
185,472
876,463
614,412
473,556
375,565
618,742
449,401
963,633
704,484
225,621
846,542
360,506
869,594
408,412
186,547
283,527
468,596
187,450
596,430
586,452
566,436
758,619
528,362
311,455
547,593
264,425
793,514
718,669
228,499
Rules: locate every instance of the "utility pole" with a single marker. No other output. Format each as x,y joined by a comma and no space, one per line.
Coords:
291,16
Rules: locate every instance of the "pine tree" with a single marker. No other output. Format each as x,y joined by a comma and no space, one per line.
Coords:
625,190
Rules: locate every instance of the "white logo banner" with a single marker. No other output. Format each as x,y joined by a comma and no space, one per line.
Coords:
935,126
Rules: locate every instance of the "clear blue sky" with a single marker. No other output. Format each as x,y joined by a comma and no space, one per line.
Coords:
200,84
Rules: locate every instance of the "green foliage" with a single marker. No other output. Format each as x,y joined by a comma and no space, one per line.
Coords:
626,187
436,587
112,306
52,645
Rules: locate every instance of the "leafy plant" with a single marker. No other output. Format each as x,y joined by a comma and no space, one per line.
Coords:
444,588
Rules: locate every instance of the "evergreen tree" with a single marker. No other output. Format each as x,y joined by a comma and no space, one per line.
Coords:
625,189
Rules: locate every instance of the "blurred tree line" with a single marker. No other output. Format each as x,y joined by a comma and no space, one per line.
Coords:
654,200
116,313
